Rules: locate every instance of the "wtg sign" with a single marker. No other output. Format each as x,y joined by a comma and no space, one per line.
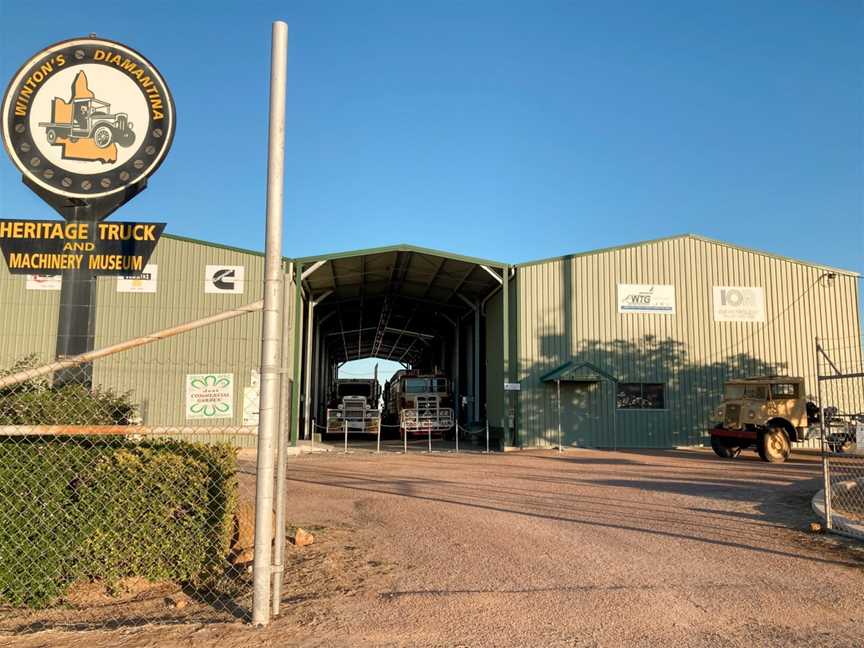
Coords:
209,396
738,304
646,298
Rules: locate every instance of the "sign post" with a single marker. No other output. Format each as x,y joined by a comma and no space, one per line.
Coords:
267,575
86,121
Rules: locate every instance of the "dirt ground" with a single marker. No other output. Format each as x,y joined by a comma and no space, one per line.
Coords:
587,548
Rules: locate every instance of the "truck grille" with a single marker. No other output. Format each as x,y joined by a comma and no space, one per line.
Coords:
427,406
733,415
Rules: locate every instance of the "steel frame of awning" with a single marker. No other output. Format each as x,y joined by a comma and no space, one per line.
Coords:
414,296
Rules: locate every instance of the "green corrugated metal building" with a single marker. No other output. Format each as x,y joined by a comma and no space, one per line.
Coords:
641,337
568,311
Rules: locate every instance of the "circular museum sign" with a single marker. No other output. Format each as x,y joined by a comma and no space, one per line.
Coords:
87,117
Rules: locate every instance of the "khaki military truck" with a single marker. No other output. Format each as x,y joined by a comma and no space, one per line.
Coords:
768,412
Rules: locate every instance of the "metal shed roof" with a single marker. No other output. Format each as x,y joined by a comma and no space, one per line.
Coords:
391,302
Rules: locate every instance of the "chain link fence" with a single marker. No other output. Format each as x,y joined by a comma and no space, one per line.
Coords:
841,402
127,484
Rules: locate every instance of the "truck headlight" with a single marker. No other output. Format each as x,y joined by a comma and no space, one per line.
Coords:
751,414
719,413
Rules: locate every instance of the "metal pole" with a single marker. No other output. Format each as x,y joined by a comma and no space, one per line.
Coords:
487,436
404,441
475,392
298,355
558,383
826,468
281,463
307,371
312,440
345,427
51,367
505,326
76,324
270,330
429,434
378,448
457,437
614,416
318,373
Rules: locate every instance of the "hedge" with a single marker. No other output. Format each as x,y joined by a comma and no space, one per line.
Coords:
104,509
39,402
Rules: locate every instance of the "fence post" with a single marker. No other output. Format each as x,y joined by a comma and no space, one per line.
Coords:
270,330
345,427
312,440
378,448
826,468
457,437
558,384
281,464
429,435
404,440
487,436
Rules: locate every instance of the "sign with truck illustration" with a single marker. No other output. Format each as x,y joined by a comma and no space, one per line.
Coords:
86,118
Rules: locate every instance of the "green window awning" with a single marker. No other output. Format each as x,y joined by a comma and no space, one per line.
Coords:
578,372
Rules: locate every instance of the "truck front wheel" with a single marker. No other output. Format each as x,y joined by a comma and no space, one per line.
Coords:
103,135
723,449
774,446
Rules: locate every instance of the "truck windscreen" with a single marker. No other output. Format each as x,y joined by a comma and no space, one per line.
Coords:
353,390
416,385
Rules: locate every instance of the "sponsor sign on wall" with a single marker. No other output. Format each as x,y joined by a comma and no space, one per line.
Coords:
209,396
43,282
143,283
224,279
739,304
646,298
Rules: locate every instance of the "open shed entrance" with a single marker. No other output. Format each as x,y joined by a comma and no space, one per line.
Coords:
422,308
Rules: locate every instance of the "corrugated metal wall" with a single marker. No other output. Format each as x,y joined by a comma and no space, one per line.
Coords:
561,309
155,375
568,310
28,320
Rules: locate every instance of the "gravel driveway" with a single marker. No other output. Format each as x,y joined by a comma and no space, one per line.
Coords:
587,548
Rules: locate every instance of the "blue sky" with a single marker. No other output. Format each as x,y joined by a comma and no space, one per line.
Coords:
505,130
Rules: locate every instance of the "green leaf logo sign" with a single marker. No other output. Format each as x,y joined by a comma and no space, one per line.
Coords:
210,381
210,410
209,396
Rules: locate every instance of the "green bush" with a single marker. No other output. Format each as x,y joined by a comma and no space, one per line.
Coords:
38,402
105,509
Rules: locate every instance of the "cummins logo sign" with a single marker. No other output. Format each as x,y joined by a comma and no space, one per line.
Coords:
739,304
224,279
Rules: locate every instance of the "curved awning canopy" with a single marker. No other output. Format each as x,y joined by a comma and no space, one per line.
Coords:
574,371
391,303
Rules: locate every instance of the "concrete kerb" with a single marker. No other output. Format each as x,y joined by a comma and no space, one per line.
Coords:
842,524
307,447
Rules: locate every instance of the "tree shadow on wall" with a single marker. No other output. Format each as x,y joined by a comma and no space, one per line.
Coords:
693,388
